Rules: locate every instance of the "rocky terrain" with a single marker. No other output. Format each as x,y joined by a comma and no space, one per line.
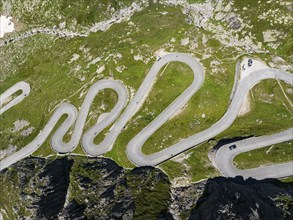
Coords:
76,187
70,44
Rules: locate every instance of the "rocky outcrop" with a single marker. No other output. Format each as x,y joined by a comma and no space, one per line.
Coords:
235,198
118,16
49,31
84,188
41,186
110,192
78,187
184,199
53,196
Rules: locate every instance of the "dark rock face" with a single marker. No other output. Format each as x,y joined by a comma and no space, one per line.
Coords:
235,198
84,188
38,187
111,192
185,198
234,23
74,211
95,187
51,202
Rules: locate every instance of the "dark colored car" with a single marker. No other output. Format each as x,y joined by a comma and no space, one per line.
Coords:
250,62
232,147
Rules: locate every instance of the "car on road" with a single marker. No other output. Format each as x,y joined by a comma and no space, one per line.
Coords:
249,62
232,147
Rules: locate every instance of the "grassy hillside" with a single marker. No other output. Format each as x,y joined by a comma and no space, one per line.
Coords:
62,69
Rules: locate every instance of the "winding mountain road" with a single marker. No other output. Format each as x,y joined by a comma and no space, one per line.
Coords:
224,157
134,147
72,116
142,93
6,103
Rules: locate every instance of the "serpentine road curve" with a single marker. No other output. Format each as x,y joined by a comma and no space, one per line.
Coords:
6,103
134,147
224,157
71,112
142,93
133,150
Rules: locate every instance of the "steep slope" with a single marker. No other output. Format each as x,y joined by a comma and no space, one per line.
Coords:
77,187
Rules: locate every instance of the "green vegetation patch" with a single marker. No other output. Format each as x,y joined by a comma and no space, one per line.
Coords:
264,15
195,1
151,196
101,183
278,153
285,202
270,112
62,70
76,13
9,195
193,164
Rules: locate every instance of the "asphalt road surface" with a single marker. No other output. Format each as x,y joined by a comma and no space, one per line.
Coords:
143,91
224,157
135,154
6,103
71,112
133,151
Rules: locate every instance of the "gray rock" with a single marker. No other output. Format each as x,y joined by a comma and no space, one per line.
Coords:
78,187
